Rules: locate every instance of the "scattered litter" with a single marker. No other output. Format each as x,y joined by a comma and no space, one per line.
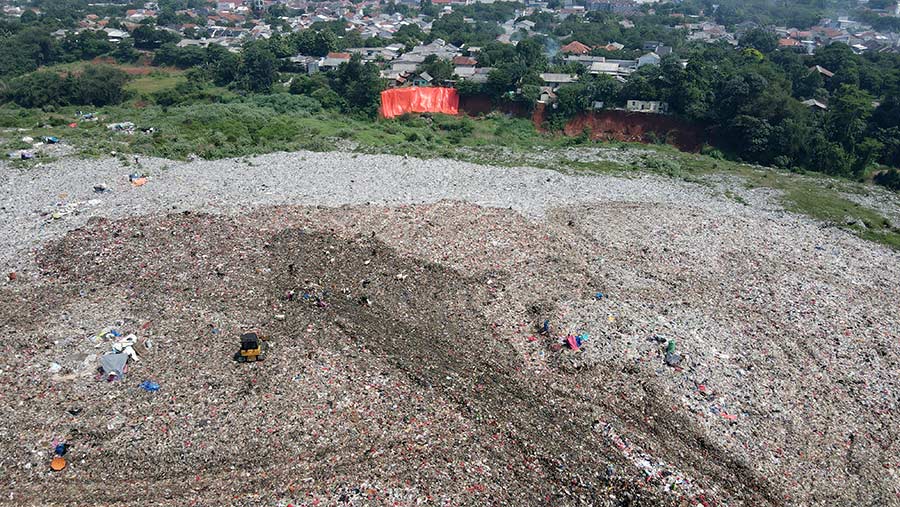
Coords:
55,368
113,366
149,385
101,188
672,359
57,463
51,139
598,296
62,210
137,179
126,127
61,449
126,346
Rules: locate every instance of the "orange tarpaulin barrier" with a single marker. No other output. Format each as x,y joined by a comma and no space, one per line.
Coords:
397,101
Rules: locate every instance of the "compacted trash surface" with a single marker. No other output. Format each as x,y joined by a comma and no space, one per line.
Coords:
437,333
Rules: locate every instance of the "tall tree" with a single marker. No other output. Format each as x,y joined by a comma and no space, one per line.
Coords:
257,69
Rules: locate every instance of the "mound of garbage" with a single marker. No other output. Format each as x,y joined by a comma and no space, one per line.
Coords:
617,354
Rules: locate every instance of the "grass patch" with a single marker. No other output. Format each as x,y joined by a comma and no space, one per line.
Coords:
145,85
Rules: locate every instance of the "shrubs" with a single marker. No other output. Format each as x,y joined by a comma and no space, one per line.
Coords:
889,178
96,86
250,125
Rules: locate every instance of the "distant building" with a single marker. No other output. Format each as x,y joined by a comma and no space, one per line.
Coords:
647,106
556,80
815,104
822,70
334,60
464,61
648,59
613,6
576,48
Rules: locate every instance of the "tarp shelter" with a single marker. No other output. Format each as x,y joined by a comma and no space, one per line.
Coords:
397,101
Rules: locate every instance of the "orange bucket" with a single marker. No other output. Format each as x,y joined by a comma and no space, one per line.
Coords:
58,464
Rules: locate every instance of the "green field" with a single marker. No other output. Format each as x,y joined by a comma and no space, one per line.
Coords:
145,85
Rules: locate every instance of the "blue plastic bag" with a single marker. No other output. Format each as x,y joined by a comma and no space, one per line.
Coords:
149,385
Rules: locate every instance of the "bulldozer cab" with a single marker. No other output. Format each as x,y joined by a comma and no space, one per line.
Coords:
252,348
249,341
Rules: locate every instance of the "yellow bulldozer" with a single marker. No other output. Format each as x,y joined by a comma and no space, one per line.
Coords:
253,348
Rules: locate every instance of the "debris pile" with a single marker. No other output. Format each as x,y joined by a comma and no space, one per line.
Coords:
454,354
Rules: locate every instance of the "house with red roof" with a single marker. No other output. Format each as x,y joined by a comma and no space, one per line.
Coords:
576,47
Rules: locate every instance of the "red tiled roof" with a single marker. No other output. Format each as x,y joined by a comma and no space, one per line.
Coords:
342,56
575,47
788,43
464,60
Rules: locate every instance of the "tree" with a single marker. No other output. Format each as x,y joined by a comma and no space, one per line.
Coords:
97,86
847,115
28,17
27,50
39,89
749,137
314,43
762,40
410,34
572,99
100,85
225,68
440,70
531,54
147,37
359,85
257,69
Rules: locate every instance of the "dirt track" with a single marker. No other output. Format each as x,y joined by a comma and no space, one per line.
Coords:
405,365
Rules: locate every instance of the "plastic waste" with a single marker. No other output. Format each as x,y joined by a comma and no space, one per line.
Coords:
149,385
57,464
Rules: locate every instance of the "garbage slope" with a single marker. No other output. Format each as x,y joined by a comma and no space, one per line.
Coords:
405,363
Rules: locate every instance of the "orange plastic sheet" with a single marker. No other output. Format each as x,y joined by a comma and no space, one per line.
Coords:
397,101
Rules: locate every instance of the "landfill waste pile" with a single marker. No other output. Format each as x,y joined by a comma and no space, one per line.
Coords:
447,353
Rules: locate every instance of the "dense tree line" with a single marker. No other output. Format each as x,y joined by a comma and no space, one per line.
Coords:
599,28
753,101
354,87
96,86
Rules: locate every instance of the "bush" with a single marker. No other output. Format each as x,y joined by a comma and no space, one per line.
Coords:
889,178
663,165
96,86
462,126
283,103
709,151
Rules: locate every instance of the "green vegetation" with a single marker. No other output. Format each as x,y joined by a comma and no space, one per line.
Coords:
154,82
236,126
